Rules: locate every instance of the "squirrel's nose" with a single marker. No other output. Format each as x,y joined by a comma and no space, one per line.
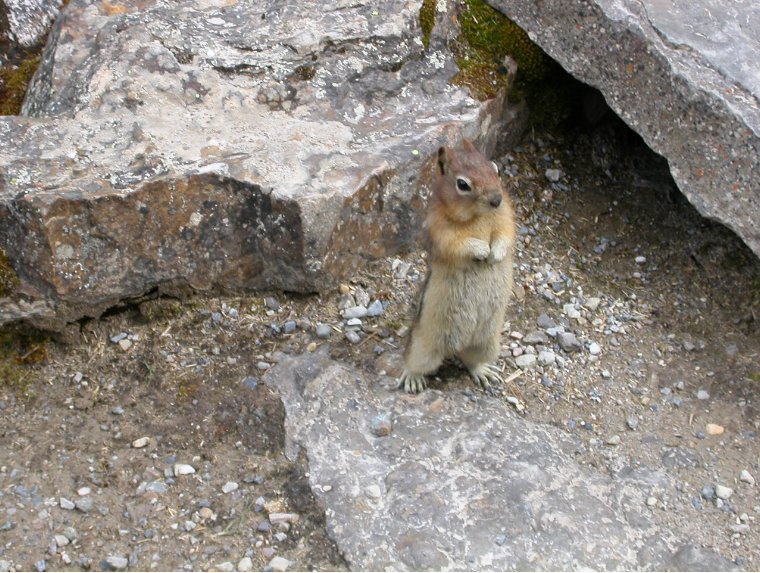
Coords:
495,200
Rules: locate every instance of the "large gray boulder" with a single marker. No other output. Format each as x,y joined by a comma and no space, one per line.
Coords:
441,482
684,74
208,145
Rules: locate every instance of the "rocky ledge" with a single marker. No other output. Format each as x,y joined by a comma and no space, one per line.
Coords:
208,145
682,74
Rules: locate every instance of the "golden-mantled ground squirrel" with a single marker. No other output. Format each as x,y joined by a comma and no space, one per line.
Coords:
471,232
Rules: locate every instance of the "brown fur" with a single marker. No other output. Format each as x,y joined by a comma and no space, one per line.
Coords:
470,234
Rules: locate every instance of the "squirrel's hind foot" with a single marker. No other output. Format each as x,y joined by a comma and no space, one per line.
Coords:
485,375
412,383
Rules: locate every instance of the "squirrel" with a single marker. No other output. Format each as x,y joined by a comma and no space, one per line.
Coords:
470,233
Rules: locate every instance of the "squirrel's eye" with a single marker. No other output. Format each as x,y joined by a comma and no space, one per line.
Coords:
463,185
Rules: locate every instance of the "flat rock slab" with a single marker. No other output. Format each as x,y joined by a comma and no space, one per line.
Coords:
683,74
463,483
217,145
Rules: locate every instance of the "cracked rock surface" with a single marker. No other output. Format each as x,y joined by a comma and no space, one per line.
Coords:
203,145
682,74
464,484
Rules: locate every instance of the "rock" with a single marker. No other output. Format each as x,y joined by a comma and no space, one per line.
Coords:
714,429
61,540
381,425
226,566
448,472
691,66
279,564
141,442
536,337
353,337
594,349
632,422
289,327
65,503
703,395
355,312
546,358
723,492
570,311
84,504
543,321
183,469
613,440
592,303
277,518
25,23
747,477
526,361
375,309
230,486
323,331
568,342
553,175
245,564
348,107
118,562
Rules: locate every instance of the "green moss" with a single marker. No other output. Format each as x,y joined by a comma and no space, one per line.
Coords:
427,20
486,37
8,277
20,356
13,84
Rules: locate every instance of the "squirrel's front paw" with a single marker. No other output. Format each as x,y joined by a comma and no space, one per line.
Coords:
477,249
499,250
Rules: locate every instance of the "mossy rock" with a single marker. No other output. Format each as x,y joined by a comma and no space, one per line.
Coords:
8,277
13,84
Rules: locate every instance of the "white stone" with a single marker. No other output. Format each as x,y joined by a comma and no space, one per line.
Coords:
183,469
723,492
141,442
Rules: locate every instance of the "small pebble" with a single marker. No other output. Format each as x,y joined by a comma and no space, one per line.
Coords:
553,175
40,565
272,304
594,349
61,540
277,518
381,425
245,564
84,504
82,491
526,361
141,442
280,537
613,440
375,309
183,469
747,477
230,486
268,552
355,312
536,337
117,562
289,327
353,337
116,338
568,342
723,492
226,566
323,330
65,503
632,423
640,260
714,429
279,564
264,526
117,410
651,501
703,395
125,344
546,357
543,321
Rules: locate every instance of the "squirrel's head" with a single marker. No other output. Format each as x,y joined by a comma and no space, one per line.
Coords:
467,184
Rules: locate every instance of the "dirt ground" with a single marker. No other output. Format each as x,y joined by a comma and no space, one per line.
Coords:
97,435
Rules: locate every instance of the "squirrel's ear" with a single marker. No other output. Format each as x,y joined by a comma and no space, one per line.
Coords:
467,145
442,160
